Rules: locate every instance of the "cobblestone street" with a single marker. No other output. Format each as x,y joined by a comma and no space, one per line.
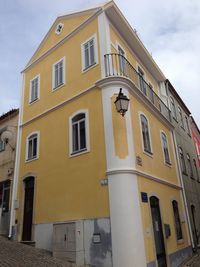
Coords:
14,254
194,261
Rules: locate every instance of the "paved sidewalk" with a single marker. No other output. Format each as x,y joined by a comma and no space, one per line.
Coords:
14,254
194,261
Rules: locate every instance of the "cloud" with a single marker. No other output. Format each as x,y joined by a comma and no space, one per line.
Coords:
169,29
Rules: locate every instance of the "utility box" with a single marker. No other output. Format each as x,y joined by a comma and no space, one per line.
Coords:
68,242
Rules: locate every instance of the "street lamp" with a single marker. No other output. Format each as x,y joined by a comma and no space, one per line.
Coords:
121,103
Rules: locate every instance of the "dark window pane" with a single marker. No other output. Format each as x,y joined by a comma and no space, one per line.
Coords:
75,137
82,135
179,234
78,117
34,147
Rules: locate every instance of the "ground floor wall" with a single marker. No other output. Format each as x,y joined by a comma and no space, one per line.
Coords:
91,245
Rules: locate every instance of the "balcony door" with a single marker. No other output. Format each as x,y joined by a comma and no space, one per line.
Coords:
158,232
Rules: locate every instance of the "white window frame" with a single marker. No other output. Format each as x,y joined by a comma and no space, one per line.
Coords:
53,74
30,89
166,162
27,146
141,135
96,57
71,152
181,116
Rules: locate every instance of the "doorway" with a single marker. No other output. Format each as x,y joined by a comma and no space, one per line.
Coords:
158,232
28,208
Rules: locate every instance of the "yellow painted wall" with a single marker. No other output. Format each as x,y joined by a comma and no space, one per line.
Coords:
154,164
70,23
76,81
165,195
129,54
67,188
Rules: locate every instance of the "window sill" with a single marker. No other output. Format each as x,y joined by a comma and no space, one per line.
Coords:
180,241
58,87
149,154
89,67
175,119
168,164
34,101
78,153
30,160
184,173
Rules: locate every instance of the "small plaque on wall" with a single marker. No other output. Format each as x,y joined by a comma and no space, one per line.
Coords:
96,238
139,160
144,197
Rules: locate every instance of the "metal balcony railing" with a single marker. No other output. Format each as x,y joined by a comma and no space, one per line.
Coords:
118,65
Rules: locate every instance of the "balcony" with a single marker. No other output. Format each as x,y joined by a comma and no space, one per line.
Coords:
118,65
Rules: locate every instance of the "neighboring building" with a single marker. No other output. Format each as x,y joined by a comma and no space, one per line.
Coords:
96,187
196,139
8,135
187,158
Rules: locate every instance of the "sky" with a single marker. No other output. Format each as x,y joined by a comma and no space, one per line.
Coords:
170,30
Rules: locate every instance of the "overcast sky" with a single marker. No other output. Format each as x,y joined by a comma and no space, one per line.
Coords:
169,29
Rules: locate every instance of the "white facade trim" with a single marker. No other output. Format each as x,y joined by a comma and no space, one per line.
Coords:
104,40
59,105
144,175
71,154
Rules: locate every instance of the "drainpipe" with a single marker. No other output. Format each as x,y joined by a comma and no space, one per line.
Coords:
17,161
183,192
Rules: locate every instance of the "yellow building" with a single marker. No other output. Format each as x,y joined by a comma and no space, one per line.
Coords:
96,187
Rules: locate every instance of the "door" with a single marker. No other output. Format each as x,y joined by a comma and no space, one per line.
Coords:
158,232
194,224
28,208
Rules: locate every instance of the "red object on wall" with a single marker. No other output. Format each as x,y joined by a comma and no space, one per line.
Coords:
196,139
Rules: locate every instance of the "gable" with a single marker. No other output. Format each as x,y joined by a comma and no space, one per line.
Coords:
69,22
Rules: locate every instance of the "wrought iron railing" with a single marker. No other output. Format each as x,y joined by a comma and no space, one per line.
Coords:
118,65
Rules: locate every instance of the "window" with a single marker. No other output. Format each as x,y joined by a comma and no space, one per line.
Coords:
4,195
79,132
32,147
121,60
177,221
165,147
187,125
190,166
181,117
182,161
173,109
142,81
2,145
196,170
34,89
145,134
59,73
89,53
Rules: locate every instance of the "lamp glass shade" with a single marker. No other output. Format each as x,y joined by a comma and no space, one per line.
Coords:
121,103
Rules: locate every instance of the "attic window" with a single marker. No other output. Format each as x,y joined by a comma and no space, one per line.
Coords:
59,28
